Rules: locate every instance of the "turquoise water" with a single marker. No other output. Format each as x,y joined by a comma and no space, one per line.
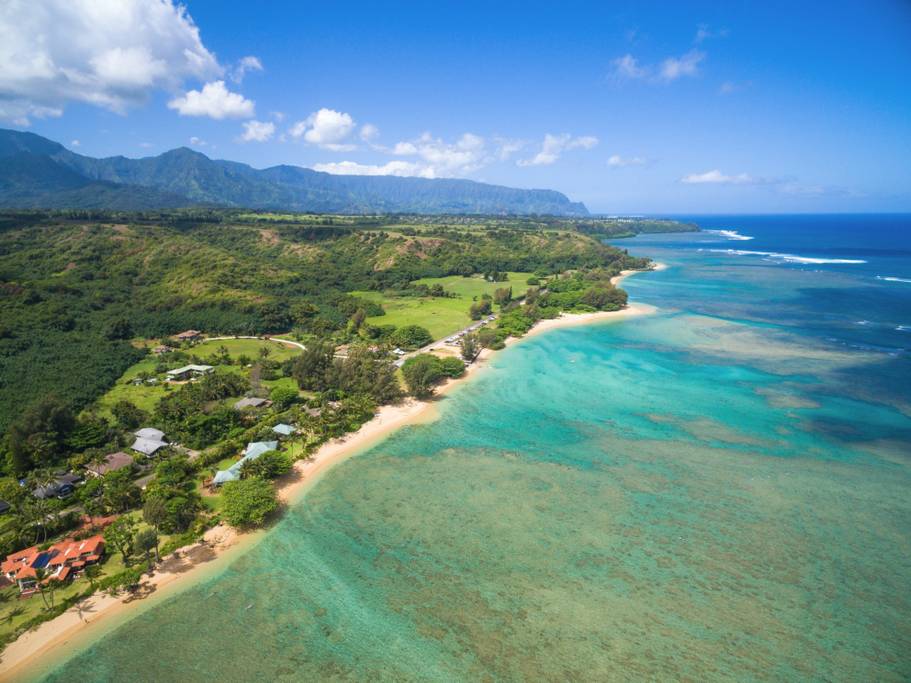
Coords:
716,492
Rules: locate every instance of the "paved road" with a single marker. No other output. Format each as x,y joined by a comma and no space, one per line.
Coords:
441,343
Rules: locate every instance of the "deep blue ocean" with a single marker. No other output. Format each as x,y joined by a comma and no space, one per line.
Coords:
719,491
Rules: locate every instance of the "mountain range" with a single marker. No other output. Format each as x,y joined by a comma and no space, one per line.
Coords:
39,173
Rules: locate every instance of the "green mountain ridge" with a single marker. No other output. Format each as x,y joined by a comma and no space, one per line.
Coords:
40,173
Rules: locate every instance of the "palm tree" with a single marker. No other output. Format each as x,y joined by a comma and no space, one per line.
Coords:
44,589
147,540
92,572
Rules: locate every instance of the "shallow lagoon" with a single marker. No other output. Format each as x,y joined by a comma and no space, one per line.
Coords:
718,491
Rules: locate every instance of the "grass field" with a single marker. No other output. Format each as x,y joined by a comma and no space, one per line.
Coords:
441,316
248,347
146,396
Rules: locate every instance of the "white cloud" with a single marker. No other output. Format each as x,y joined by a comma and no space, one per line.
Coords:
435,158
108,54
396,168
617,161
258,131
716,177
703,33
627,67
196,142
554,145
369,132
214,101
404,149
245,65
507,147
442,159
145,145
326,128
673,68
75,143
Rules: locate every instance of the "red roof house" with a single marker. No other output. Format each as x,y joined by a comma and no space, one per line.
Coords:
60,561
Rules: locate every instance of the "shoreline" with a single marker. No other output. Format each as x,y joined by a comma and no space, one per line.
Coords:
36,652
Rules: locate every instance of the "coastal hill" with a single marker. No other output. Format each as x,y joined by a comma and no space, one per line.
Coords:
39,173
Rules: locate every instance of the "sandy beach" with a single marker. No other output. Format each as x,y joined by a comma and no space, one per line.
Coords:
43,647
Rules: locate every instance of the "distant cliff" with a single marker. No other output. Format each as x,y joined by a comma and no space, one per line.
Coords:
39,173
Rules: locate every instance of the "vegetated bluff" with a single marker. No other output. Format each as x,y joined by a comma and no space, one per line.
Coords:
39,173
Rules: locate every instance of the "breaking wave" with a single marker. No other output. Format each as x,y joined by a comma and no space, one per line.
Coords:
730,234
786,258
887,278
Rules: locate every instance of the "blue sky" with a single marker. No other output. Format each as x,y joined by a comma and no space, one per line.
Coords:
630,107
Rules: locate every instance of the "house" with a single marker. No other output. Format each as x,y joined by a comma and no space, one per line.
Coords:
283,429
69,478
59,562
189,335
252,402
253,450
61,487
188,372
257,448
161,348
313,412
111,463
150,433
147,446
149,441
398,352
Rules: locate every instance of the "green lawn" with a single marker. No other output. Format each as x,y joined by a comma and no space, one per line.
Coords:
146,396
440,316
11,604
248,347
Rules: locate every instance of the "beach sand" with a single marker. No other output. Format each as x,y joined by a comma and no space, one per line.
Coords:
99,613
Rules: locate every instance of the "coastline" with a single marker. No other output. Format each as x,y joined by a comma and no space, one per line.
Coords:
36,652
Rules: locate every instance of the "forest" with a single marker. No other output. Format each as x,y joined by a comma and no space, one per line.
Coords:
78,288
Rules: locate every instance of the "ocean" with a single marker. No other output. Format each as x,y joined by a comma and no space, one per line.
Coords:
719,491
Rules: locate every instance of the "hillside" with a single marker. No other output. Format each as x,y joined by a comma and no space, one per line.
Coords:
40,173
75,292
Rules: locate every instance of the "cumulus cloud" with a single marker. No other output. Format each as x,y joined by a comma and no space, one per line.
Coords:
369,132
617,161
257,131
507,147
433,158
214,101
397,168
554,145
673,68
108,54
245,65
444,159
326,128
627,67
75,143
716,177
196,142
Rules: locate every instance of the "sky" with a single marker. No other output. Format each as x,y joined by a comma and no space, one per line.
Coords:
630,107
